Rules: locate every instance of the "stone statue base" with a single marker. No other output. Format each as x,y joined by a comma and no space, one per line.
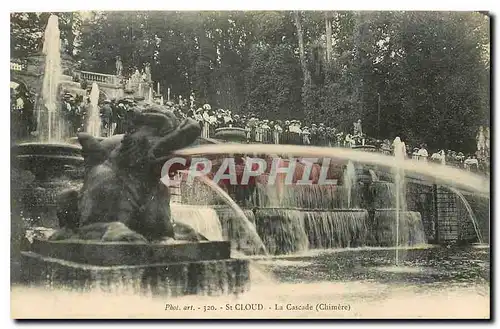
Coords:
150,269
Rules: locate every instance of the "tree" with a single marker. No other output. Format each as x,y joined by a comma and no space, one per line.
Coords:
430,69
27,32
271,82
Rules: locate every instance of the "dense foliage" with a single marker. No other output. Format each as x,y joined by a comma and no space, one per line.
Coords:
421,75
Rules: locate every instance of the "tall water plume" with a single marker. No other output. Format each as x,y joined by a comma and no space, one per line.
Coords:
150,95
349,181
51,125
94,121
399,154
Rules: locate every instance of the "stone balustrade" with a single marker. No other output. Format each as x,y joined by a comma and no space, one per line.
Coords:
99,77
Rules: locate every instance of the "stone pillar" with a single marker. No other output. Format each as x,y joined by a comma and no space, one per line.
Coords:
175,189
446,215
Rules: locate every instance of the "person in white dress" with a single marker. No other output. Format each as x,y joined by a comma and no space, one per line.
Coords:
422,153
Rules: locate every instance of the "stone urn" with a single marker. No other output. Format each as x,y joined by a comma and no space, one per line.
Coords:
47,162
231,134
50,169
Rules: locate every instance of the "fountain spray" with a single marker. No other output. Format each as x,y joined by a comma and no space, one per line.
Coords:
399,155
349,182
51,127
246,224
94,121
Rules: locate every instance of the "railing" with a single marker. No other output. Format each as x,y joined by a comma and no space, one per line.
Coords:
287,137
99,77
17,66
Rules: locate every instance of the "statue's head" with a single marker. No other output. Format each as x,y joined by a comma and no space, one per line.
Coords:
154,134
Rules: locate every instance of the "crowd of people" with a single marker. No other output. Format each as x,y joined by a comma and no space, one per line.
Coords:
115,114
21,113
296,132
266,131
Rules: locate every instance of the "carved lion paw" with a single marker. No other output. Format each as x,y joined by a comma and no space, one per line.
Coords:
120,232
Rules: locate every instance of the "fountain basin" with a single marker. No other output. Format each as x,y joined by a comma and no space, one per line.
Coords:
46,150
231,134
121,253
152,269
48,162
40,172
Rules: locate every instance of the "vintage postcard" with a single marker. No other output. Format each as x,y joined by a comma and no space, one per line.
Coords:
250,164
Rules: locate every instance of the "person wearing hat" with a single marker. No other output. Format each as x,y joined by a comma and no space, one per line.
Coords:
228,120
190,113
293,126
277,131
66,105
335,138
106,118
115,117
251,128
340,139
313,134
198,116
248,130
305,136
236,121
422,153
284,135
119,114
296,132
266,131
191,100
206,121
258,131
348,140
328,136
213,121
321,134
216,120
